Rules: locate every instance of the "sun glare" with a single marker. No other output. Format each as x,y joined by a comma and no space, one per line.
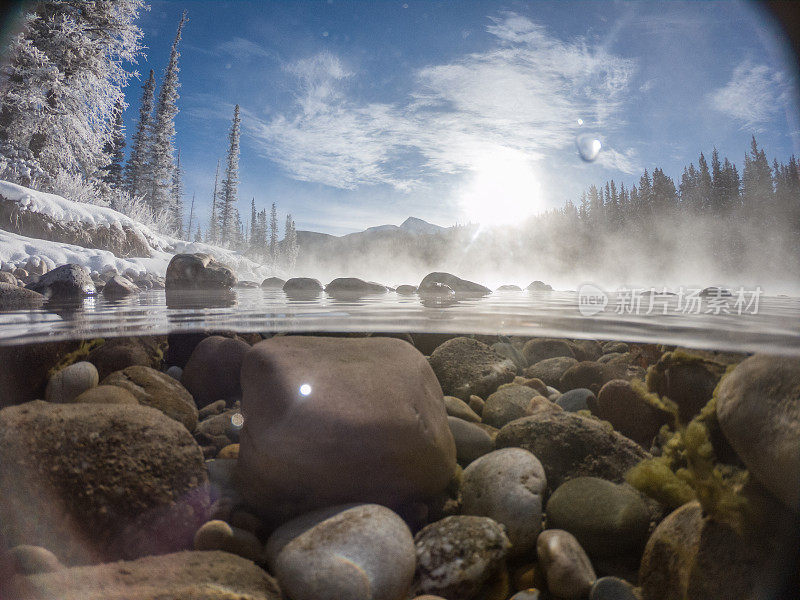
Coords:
502,190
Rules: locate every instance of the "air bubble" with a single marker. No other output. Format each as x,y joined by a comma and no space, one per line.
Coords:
588,146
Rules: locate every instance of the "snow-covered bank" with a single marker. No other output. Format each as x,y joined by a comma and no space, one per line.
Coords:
17,249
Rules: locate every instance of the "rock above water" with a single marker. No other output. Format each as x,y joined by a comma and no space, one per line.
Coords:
335,420
569,445
406,289
539,349
273,283
509,288
13,297
302,284
71,381
471,440
458,556
179,576
198,271
539,286
454,283
157,390
607,519
758,408
64,283
364,552
508,403
508,486
119,287
465,366
354,285
550,370
96,482
568,570
213,370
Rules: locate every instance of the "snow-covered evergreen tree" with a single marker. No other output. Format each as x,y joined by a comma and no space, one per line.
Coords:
136,168
230,185
261,241
252,248
274,250
290,244
64,76
161,143
198,237
177,198
212,233
191,218
115,148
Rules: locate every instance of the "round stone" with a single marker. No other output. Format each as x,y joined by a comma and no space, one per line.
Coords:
507,404
612,588
456,407
619,403
30,560
568,570
14,297
465,366
607,519
68,383
107,394
458,556
365,552
539,349
507,486
472,441
575,400
218,535
477,404
550,370
213,370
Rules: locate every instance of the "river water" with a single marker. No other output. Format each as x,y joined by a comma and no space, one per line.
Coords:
737,323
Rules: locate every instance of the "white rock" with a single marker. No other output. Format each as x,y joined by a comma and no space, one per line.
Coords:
66,384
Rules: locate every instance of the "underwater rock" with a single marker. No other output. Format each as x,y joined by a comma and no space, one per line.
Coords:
550,370
273,283
29,560
13,297
363,552
458,556
106,394
585,349
24,370
119,287
198,271
607,519
511,352
586,374
569,445
334,420
576,399
71,381
477,404
507,486
615,347
118,353
687,379
539,286
628,411
456,407
456,284
612,588
568,570
95,483
218,535
157,390
465,366
471,440
508,403
178,576
219,430
213,370
758,408
539,349
64,283
354,285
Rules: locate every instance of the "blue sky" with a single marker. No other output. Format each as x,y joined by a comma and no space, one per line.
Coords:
364,113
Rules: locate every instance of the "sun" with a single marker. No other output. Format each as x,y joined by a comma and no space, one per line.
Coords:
503,189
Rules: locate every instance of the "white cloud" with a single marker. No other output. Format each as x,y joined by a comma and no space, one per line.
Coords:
525,94
244,49
753,96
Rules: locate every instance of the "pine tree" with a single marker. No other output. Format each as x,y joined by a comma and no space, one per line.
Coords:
290,244
161,144
253,227
198,237
704,185
230,184
191,218
212,233
261,242
115,148
274,251
177,199
63,80
136,167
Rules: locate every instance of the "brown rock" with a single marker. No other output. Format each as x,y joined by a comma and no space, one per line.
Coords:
118,353
630,414
213,370
465,366
98,482
24,369
107,394
586,374
539,349
158,390
550,370
335,420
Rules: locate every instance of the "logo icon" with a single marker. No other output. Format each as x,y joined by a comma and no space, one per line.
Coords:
591,300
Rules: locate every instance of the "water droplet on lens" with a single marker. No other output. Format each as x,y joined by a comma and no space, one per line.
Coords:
580,122
588,146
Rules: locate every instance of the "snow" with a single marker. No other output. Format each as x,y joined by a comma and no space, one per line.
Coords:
16,250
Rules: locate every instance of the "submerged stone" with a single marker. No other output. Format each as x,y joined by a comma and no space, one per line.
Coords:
213,370
465,366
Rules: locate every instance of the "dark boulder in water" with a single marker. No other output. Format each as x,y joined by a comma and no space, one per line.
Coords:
539,349
465,366
212,372
64,283
456,284
119,287
198,271
550,370
273,283
336,420
354,285
302,284
99,482
539,286
406,289
24,369
509,288
13,297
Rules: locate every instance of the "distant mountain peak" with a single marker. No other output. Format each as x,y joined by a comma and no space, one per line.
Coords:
416,225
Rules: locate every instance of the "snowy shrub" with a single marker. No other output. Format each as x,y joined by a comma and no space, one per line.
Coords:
137,209
19,166
73,186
